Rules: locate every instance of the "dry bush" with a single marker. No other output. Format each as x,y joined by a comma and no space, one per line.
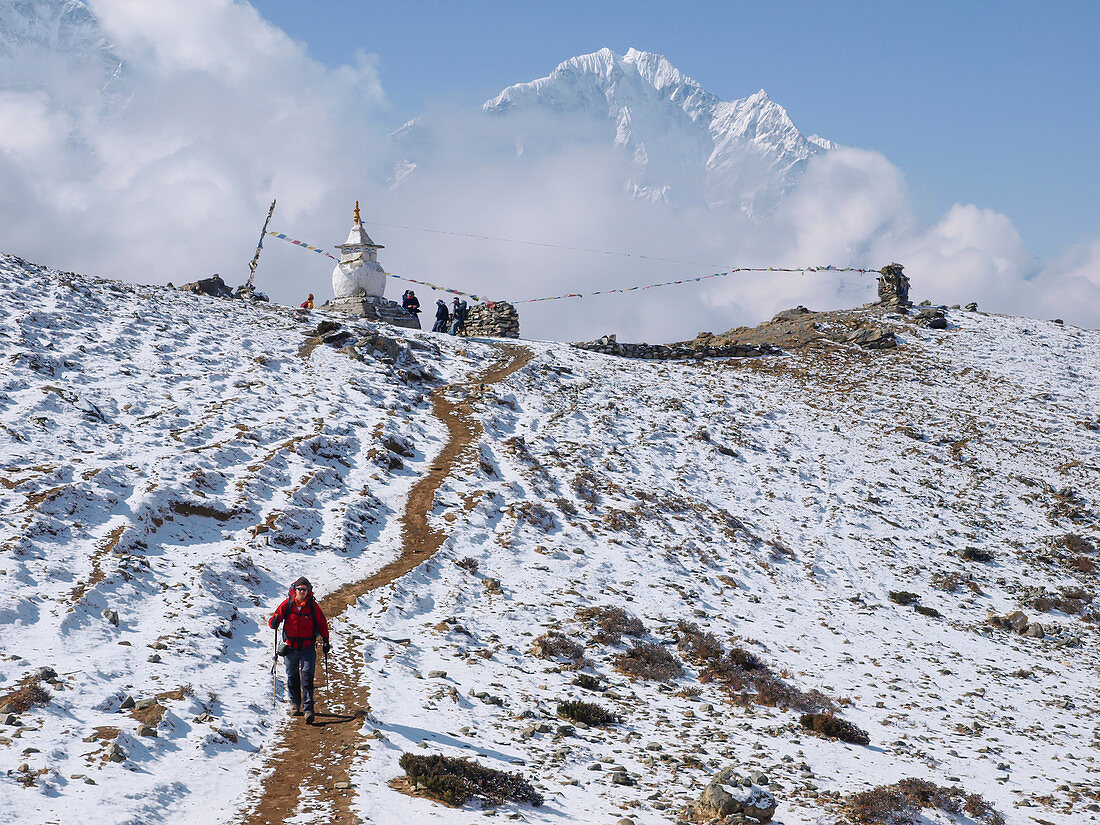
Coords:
468,563
587,713
903,597
28,693
588,682
950,582
744,675
976,554
833,728
612,623
900,804
649,661
454,781
1070,600
928,611
554,645
1077,544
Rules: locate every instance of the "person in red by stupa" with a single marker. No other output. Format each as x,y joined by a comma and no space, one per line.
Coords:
303,622
307,303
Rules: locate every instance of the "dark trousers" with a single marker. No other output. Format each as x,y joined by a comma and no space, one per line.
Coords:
440,325
300,662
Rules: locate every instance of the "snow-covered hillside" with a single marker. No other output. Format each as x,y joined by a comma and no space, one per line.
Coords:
682,144
178,460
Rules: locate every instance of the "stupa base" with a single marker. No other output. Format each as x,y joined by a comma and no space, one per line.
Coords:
373,309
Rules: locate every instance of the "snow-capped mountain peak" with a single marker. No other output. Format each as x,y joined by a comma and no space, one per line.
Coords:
681,143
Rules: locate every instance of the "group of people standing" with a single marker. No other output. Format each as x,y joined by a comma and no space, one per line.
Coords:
451,320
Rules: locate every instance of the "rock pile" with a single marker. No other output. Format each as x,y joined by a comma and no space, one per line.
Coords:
1017,622
498,319
872,338
213,286
932,317
664,352
893,286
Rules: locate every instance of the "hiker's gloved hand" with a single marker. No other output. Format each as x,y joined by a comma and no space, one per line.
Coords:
325,647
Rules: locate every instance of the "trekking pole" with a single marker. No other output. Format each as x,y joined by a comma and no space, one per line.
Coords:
275,672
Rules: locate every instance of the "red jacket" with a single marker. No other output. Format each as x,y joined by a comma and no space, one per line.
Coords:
303,624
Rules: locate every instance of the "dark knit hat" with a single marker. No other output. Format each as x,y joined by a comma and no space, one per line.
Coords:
301,580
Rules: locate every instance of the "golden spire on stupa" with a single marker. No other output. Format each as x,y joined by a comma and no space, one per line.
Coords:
357,211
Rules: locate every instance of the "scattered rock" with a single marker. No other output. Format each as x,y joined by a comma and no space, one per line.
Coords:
127,702
146,730
971,307
46,674
9,719
144,703
872,338
437,674
115,753
111,616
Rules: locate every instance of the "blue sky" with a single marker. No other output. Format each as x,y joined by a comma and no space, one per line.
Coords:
992,103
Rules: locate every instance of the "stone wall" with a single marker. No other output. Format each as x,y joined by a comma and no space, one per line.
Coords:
663,352
498,319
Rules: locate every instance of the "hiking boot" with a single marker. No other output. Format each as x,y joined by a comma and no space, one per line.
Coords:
309,717
295,710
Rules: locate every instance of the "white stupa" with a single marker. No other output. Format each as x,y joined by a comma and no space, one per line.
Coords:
358,275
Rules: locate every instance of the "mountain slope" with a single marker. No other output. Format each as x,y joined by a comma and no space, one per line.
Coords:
180,459
682,144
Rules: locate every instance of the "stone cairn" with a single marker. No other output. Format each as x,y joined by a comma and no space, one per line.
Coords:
498,319
663,352
893,286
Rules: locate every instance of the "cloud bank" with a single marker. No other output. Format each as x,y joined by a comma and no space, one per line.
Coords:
149,147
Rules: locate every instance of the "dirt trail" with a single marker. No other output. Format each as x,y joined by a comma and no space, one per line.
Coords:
311,761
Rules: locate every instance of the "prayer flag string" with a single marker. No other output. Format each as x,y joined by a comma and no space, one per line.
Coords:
438,288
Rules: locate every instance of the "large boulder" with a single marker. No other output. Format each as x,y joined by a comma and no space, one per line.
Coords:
214,286
727,794
873,338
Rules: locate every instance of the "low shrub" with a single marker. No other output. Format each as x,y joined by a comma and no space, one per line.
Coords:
900,804
587,713
28,693
468,563
612,623
454,781
903,597
976,554
928,611
554,645
1078,544
649,661
587,682
744,675
833,728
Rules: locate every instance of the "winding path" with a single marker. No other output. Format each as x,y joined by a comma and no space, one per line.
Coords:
311,761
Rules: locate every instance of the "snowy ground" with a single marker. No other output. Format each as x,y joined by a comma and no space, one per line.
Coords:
179,459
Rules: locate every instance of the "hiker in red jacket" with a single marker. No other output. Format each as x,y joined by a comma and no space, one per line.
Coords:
302,622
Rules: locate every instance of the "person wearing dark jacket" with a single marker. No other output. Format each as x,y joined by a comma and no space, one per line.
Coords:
303,622
411,305
442,316
458,317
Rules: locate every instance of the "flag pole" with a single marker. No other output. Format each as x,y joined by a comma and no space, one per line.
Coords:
256,258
